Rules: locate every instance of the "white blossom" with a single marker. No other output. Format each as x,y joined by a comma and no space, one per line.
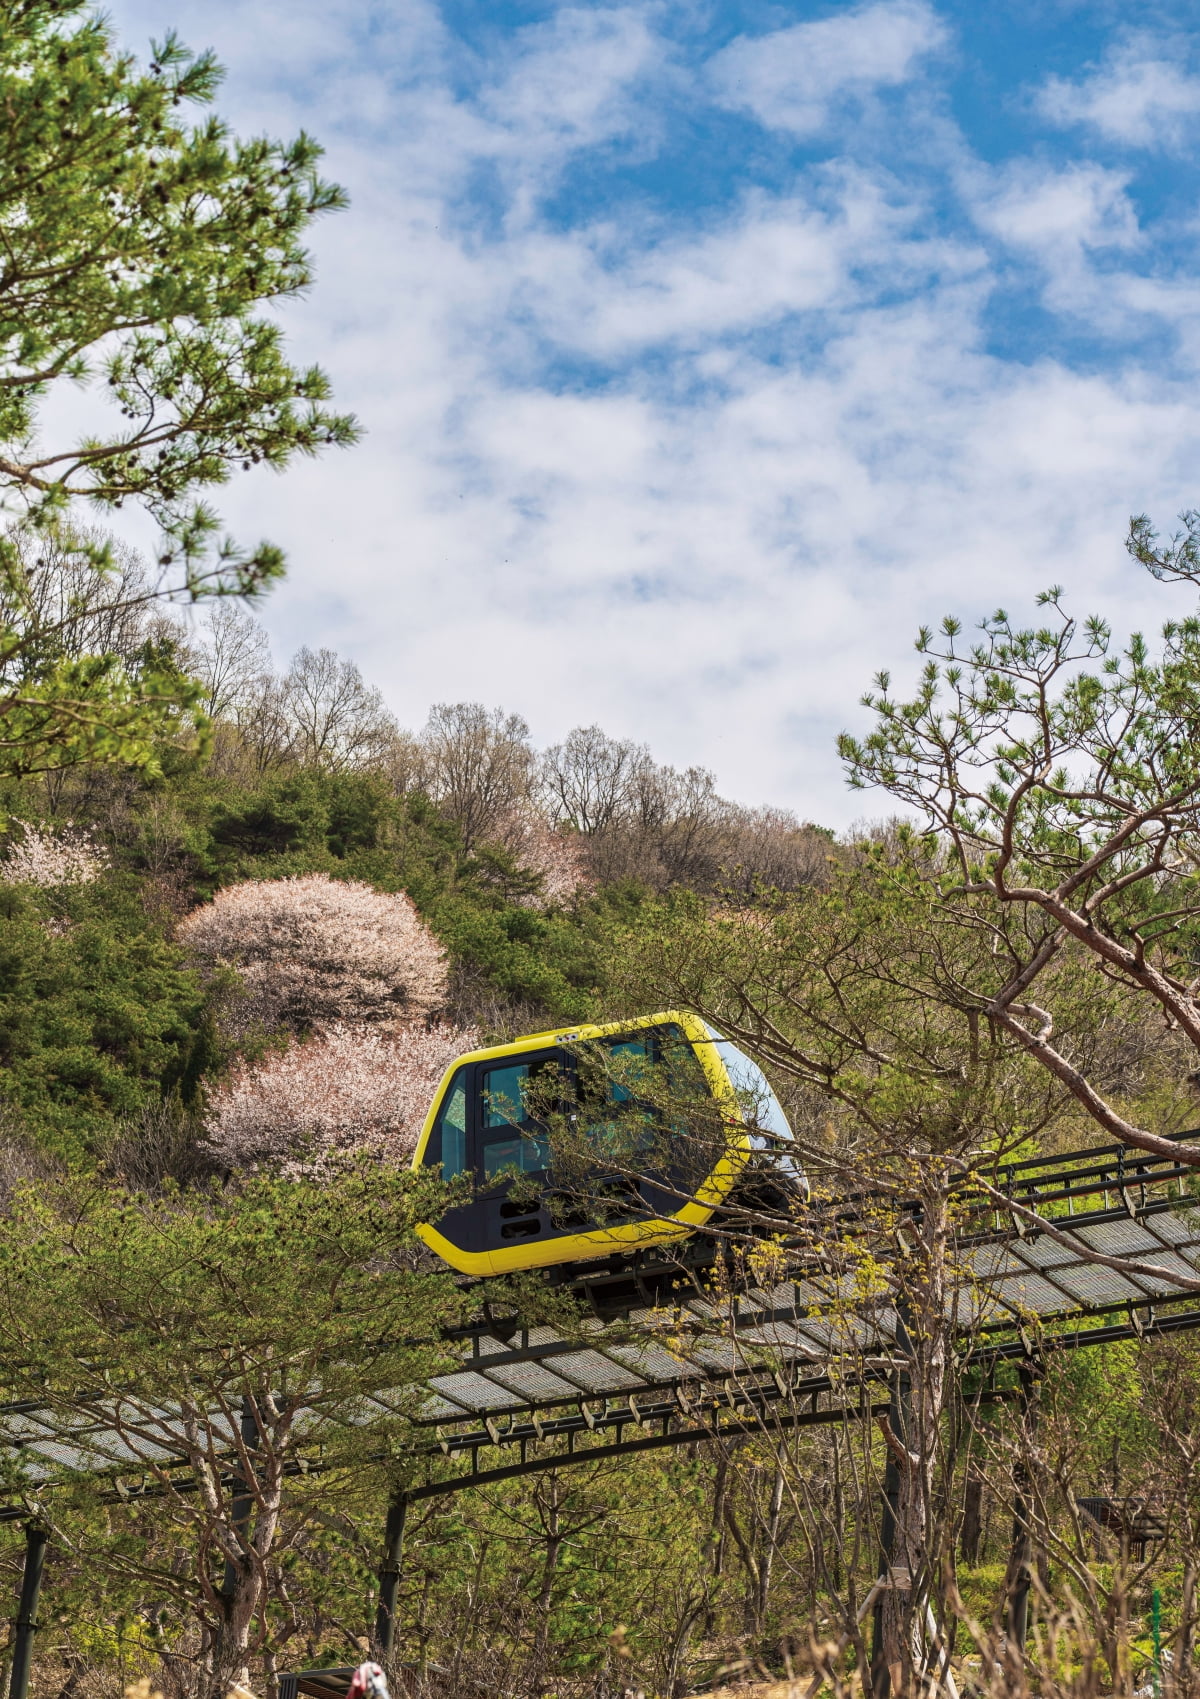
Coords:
312,950
350,1090
558,857
45,857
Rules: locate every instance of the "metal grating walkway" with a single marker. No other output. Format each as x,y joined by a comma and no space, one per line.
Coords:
798,1349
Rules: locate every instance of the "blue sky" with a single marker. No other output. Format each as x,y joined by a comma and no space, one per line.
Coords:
704,351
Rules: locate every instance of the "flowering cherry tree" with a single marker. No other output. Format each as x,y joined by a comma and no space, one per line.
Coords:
41,856
313,950
559,859
350,1089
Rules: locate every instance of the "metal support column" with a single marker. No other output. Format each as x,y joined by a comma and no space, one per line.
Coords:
26,1624
1020,1563
389,1576
243,1499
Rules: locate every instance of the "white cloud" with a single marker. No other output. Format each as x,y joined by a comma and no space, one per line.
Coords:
611,291
695,478
558,87
791,78
1082,208
609,298
1070,223
1078,231
572,80
1139,97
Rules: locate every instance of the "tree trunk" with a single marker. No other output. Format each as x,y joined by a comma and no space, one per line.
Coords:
694,1613
749,1563
770,1546
971,1534
1020,1564
247,1547
921,1343
839,1517
545,1598
229,1650
1187,1611
714,1546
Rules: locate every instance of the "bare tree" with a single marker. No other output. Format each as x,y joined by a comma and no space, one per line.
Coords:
232,659
665,827
477,766
768,849
402,762
678,817
265,734
66,605
588,781
641,820
338,721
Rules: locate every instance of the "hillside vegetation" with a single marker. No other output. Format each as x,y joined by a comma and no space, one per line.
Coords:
232,979
519,864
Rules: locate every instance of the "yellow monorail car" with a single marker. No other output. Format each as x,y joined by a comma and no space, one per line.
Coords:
487,1122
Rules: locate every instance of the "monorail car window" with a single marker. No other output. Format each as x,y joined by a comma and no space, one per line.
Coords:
632,1090
448,1139
509,1141
614,1071
638,1050
607,1076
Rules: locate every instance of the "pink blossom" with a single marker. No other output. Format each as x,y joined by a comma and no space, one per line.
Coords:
350,1090
314,950
558,857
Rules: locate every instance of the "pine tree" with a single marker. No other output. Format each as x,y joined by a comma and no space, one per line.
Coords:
137,248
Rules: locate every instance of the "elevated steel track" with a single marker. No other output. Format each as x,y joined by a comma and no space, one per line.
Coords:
690,1365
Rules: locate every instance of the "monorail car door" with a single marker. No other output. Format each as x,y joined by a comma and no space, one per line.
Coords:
512,1150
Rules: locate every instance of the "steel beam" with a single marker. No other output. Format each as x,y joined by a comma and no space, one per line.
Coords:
653,1442
26,1623
389,1575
